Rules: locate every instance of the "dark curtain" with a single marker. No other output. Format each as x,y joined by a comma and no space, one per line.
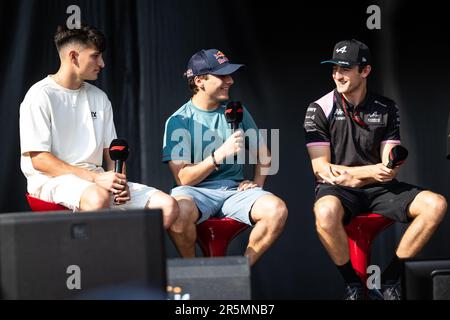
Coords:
149,44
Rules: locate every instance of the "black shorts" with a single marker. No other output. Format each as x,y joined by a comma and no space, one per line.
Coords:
388,199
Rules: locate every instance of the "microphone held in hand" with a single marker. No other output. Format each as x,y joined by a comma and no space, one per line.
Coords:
234,114
118,151
397,156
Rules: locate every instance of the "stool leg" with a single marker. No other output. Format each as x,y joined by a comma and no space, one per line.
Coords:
359,250
212,244
214,236
216,248
360,256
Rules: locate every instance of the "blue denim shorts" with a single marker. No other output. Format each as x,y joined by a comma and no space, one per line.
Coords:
221,199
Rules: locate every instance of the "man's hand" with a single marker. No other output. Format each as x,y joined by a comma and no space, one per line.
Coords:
345,179
381,173
335,176
230,147
188,174
123,196
112,181
247,184
328,176
340,177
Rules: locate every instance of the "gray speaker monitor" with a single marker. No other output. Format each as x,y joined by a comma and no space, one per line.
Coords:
89,255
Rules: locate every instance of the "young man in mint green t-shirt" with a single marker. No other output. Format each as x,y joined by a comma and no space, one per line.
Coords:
200,149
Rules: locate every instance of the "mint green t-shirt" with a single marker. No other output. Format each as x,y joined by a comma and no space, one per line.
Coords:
191,134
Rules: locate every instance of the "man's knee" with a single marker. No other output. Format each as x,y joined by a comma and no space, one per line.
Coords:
170,209
274,212
329,214
188,214
95,198
440,208
436,205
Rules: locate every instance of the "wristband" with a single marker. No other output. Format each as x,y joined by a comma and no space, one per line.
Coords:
216,166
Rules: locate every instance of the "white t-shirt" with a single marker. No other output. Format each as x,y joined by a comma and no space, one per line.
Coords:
74,125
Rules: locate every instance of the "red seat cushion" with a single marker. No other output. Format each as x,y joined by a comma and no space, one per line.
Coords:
41,205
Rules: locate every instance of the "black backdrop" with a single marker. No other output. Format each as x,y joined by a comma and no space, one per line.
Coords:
149,43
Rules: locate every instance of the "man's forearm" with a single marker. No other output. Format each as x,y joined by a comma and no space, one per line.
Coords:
330,173
48,164
360,172
193,174
357,176
364,175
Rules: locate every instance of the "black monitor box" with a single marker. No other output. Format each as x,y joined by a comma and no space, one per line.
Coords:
216,278
441,284
89,255
421,279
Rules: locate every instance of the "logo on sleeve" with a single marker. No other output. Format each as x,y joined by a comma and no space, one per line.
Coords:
94,115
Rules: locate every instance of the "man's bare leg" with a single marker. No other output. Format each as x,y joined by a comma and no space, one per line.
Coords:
329,213
270,214
168,205
427,209
94,198
183,231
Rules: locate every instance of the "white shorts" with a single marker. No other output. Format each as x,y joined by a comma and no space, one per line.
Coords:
67,190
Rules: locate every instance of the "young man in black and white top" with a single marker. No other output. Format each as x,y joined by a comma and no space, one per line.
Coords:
349,133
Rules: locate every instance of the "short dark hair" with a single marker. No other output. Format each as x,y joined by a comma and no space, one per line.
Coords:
86,35
193,86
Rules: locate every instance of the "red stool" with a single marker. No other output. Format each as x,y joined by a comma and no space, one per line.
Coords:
41,205
361,231
214,235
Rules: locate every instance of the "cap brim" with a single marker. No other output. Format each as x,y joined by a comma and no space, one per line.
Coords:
228,69
341,63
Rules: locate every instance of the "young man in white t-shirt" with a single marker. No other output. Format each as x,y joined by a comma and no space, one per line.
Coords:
66,127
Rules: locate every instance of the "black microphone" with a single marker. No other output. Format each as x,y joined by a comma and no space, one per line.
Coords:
118,151
234,114
397,156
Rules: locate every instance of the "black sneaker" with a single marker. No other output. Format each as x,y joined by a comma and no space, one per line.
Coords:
354,291
392,290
